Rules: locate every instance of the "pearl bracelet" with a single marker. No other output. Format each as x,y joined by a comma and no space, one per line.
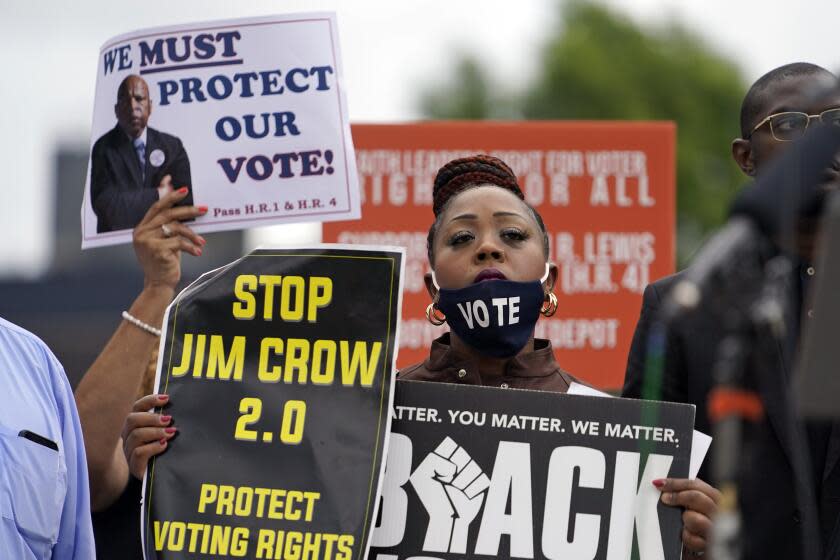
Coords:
140,324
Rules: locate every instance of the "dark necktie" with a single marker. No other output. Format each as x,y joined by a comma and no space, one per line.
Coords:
140,148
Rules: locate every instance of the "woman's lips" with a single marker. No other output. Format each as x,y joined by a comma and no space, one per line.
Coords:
489,274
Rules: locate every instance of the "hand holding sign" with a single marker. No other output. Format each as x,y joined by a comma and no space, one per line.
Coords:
160,237
451,486
700,501
146,434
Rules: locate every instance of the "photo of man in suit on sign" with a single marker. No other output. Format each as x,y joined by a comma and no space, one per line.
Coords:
132,165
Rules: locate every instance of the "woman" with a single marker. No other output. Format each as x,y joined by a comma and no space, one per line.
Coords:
123,370
486,242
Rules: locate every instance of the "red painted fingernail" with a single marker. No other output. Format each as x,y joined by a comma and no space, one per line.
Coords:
198,251
202,241
170,430
659,482
202,209
163,397
162,441
182,190
165,418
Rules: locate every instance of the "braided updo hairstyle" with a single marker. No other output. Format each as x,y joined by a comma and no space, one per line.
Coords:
462,174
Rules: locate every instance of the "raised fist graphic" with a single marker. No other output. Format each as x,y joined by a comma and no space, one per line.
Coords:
451,487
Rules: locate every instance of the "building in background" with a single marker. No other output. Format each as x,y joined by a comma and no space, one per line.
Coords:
76,305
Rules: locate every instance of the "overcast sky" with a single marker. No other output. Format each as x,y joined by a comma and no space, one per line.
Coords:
390,51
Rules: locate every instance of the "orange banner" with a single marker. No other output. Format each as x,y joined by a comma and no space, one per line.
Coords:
606,191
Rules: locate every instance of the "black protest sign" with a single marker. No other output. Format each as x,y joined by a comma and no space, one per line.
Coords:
478,472
279,370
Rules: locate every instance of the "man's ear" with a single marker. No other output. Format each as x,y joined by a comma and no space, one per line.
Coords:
551,281
742,153
430,286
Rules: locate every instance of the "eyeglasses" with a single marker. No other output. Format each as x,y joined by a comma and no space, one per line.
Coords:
790,126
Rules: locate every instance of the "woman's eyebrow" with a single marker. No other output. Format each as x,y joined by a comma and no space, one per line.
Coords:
503,214
500,214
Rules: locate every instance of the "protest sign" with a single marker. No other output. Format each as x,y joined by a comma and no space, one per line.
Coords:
249,114
482,472
604,189
279,369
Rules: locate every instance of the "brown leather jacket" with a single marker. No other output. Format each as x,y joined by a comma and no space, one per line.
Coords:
535,370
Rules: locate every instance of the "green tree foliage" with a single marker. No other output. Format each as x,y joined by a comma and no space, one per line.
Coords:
470,98
598,64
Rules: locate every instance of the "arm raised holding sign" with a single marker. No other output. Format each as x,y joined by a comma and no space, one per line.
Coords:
108,389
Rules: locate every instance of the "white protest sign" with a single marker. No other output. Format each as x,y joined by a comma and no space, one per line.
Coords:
249,114
484,472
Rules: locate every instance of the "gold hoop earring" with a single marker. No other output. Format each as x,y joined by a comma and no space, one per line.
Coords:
550,307
432,315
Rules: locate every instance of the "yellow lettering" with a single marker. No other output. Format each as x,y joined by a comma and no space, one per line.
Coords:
220,539
224,505
329,540
359,360
160,534
269,281
286,312
207,496
177,534
265,543
195,529
311,546
262,494
193,537
278,550
320,295
294,417
292,548
267,345
244,501
311,497
291,512
246,307
201,340
323,374
186,353
233,364
345,547
297,358
250,408
275,504
239,546
205,539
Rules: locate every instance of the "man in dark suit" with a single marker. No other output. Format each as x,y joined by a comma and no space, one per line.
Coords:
132,165
770,482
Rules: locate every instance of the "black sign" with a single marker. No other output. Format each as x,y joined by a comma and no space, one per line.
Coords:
279,371
479,472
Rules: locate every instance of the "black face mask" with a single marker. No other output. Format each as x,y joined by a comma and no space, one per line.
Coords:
496,317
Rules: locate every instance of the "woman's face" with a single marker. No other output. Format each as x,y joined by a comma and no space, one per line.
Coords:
487,232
